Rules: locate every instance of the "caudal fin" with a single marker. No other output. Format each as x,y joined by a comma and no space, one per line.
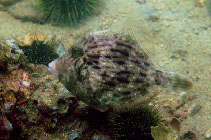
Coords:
175,80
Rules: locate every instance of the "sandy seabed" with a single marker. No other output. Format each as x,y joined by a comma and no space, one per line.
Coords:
176,35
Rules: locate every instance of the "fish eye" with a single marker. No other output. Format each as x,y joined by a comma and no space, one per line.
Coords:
77,51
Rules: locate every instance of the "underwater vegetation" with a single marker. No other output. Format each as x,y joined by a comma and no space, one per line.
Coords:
40,52
68,11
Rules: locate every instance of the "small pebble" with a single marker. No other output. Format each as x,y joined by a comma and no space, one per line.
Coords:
6,124
99,136
173,57
12,43
182,94
174,10
74,135
159,6
171,111
154,18
197,78
2,8
200,3
194,109
175,124
141,1
181,115
208,133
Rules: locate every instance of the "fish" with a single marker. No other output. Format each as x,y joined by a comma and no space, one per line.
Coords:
111,71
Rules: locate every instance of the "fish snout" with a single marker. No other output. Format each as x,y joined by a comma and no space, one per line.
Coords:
52,68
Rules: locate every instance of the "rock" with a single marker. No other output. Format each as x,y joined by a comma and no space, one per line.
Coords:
200,3
6,124
12,43
19,81
159,6
15,50
154,18
181,115
74,135
162,132
3,62
26,10
8,2
194,109
10,51
189,136
2,8
207,134
209,7
175,124
60,49
65,104
100,136
182,94
78,130
141,1
3,66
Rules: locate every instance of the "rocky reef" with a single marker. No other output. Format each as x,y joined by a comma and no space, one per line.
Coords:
35,105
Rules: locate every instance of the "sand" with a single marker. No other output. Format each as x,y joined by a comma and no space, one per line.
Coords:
176,35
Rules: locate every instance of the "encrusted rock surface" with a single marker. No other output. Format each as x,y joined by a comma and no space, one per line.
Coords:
26,10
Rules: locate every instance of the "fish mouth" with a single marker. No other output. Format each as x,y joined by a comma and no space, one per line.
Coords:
52,68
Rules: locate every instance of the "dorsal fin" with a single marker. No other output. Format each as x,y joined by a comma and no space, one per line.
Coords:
141,32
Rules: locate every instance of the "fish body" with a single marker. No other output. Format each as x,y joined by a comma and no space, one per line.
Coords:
110,72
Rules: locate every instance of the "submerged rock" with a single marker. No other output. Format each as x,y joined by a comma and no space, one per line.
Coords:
162,132
26,10
2,8
207,134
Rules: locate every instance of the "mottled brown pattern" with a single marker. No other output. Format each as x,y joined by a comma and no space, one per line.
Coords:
107,71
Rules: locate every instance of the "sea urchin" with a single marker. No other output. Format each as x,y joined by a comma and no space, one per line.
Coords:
40,52
134,124
68,11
